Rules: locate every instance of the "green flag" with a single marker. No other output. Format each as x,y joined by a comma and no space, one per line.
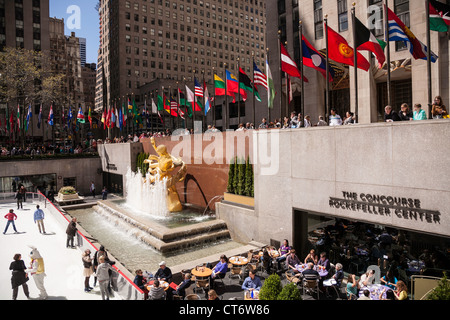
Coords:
160,103
271,92
439,11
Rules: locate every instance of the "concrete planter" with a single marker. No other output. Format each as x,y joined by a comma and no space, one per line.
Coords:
65,197
243,200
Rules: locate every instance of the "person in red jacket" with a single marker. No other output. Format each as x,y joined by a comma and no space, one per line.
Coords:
11,216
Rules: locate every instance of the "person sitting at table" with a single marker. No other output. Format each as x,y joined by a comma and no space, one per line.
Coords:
311,257
291,261
389,294
284,252
252,282
141,282
336,279
220,269
181,288
266,260
401,293
352,287
366,279
366,295
389,280
164,273
156,292
212,295
310,273
324,262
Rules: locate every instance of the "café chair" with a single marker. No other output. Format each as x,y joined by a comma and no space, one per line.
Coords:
192,297
202,284
293,278
311,286
235,272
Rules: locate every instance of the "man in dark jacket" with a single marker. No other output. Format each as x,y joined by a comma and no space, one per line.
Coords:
163,273
390,115
71,231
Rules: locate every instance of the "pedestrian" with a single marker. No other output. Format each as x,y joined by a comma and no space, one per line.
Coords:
11,216
39,219
19,198
19,276
71,231
104,193
102,274
88,271
92,189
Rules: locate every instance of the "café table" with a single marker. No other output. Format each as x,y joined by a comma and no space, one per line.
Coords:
162,284
201,272
375,291
248,295
321,270
238,261
414,266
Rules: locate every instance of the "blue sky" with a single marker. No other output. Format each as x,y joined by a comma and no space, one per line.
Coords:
85,25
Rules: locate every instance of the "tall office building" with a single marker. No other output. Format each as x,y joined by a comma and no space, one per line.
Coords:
408,76
146,45
24,24
82,51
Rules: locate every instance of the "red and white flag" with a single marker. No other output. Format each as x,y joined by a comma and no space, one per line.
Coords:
288,65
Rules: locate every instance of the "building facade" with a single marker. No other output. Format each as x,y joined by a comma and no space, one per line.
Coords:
408,76
147,41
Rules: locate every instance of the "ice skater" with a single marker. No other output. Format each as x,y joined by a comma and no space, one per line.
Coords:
39,219
11,216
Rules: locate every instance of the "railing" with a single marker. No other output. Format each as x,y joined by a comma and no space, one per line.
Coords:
126,289
421,286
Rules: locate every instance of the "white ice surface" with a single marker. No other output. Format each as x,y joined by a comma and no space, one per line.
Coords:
63,267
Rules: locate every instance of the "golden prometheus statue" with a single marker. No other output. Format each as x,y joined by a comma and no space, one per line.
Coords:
163,164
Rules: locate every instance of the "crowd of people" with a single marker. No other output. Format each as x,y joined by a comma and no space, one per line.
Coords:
49,148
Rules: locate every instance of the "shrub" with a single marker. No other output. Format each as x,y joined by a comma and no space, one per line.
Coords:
230,187
442,291
67,190
290,292
271,288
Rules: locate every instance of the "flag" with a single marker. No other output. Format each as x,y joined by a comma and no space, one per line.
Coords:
271,91
124,114
192,100
108,117
29,115
398,31
365,40
50,116
181,97
18,118
288,65
166,103
219,85
154,107
120,118
340,51
232,84
198,89
439,16
246,84
313,59
103,119
113,117
130,106
160,103
207,101
173,107
90,118
80,116
259,78
39,117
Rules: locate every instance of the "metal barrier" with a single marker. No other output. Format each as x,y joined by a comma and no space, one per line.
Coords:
421,286
124,286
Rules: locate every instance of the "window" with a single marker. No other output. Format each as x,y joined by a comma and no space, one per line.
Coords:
402,11
318,19
342,15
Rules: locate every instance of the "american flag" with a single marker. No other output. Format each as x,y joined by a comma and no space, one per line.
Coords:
259,78
198,89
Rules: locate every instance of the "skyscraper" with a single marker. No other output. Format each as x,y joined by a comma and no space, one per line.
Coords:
145,41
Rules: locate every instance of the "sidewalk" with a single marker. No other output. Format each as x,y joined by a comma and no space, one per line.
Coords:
63,267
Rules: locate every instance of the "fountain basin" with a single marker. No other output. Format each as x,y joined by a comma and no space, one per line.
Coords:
159,236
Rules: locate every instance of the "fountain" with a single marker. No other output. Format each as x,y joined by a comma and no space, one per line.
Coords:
153,213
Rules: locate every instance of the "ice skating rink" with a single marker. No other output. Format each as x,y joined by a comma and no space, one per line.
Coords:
63,267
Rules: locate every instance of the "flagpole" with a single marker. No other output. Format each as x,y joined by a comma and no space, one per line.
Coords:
268,88
204,103
327,94
254,88
225,114
430,88
239,92
281,77
388,53
302,106
288,92
214,110
355,59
